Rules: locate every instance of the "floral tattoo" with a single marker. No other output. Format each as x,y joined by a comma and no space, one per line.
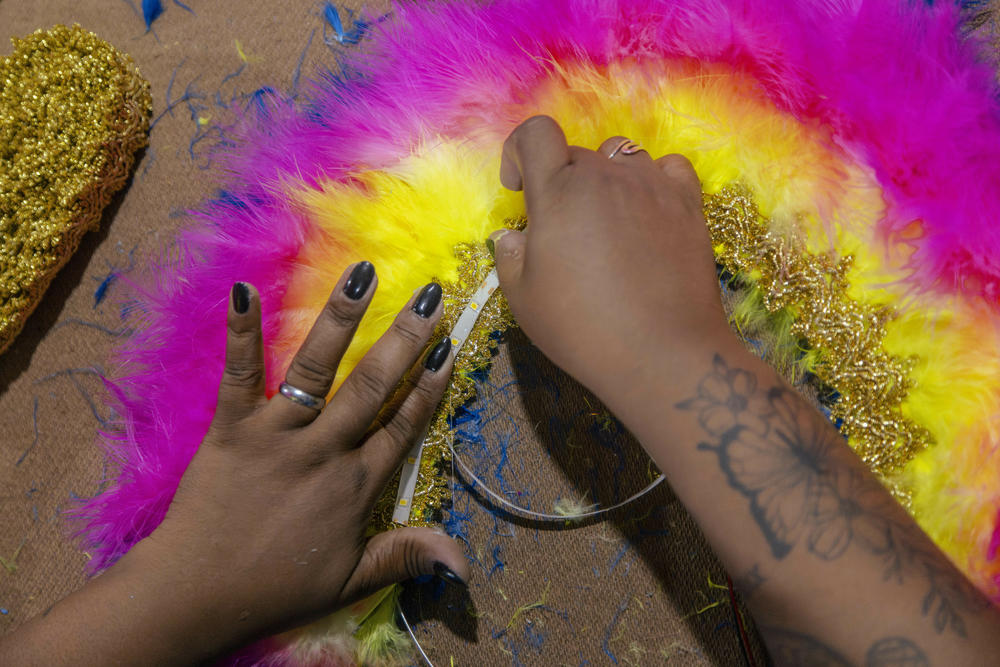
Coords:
776,452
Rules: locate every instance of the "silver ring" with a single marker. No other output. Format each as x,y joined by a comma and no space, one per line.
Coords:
626,147
303,398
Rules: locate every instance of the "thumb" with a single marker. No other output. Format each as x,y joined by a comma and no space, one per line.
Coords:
507,247
405,553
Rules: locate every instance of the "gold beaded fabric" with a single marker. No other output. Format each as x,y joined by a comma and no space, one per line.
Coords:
845,334
73,113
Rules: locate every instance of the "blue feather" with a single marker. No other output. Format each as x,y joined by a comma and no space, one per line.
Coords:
341,34
151,10
332,17
102,288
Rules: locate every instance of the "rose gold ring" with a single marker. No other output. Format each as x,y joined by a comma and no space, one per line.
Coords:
626,147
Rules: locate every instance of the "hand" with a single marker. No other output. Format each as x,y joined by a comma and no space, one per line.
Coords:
267,529
615,263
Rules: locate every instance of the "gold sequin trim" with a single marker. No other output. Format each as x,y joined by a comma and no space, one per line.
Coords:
848,334
73,112
432,490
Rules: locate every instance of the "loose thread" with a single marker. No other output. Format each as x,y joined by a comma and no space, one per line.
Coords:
298,66
11,565
712,584
92,325
90,401
710,605
233,75
606,641
135,9
170,84
34,424
71,373
183,99
744,636
528,607
113,273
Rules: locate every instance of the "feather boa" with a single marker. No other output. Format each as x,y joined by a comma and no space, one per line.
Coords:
872,125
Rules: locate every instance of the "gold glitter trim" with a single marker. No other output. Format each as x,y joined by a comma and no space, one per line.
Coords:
73,112
432,491
848,334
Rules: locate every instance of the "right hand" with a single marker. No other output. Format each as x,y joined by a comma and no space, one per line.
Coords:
615,264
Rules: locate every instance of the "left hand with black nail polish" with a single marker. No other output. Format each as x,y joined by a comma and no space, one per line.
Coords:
267,529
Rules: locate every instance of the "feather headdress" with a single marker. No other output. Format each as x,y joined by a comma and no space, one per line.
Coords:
864,134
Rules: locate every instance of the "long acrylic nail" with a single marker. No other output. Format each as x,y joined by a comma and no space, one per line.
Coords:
445,573
428,300
359,281
436,357
241,297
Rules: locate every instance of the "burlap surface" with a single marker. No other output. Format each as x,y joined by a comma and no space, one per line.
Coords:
639,587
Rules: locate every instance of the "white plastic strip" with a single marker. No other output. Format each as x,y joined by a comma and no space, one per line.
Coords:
459,333
411,466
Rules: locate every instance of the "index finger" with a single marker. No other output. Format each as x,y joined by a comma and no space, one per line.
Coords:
533,152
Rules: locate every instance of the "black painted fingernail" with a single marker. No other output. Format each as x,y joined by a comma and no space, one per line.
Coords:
359,280
241,297
428,300
436,357
445,573
491,246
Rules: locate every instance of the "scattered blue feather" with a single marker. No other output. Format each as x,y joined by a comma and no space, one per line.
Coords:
92,325
341,34
498,564
198,138
183,6
233,75
170,84
148,161
298,65
34,441
258,99
332,17
186,98
609,631
534,637
618,557
102,289
151,10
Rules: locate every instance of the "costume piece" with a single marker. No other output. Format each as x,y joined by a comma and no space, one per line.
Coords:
848,157
73,113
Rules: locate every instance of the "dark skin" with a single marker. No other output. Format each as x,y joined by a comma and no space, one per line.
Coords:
233,559
833,569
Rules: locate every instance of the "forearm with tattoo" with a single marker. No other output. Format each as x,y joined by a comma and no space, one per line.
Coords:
827,554
776,453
